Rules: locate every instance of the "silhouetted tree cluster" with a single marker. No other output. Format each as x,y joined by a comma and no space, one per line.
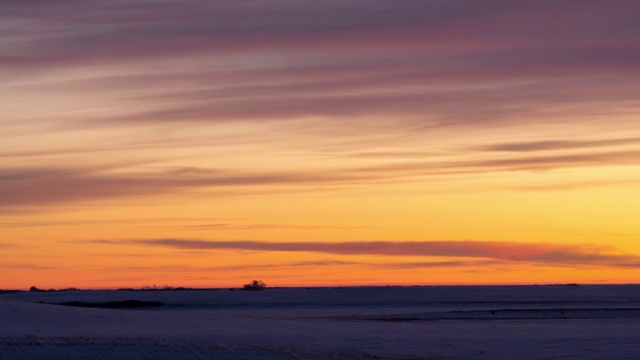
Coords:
255,285
156,287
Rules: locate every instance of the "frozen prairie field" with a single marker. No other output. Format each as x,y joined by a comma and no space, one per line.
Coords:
482,322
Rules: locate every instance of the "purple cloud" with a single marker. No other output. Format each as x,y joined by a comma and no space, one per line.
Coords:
282,59
125,30
543,253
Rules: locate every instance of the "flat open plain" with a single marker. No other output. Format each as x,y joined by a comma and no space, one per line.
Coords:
451,322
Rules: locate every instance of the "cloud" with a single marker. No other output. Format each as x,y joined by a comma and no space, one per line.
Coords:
25,187
235,226
541,253
146,222
59,185
318,263
48,185
412,103
511,163
121,30
23,266
55,185
438,264
277,59
546,145
349,70
578,184
296,264
562,161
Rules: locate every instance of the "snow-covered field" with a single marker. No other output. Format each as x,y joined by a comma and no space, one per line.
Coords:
487,322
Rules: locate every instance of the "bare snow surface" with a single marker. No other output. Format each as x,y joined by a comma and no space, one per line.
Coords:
483,322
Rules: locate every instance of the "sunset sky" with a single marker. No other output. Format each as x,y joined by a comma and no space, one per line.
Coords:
309,143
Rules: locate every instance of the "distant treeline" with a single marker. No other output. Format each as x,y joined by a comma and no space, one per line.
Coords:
8,291
36,289
253,285
156,288
144,288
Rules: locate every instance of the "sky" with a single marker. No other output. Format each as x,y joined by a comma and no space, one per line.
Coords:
319,143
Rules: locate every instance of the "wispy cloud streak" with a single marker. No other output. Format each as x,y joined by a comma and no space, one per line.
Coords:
280,59
46,185
197,26
550,145
543,253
